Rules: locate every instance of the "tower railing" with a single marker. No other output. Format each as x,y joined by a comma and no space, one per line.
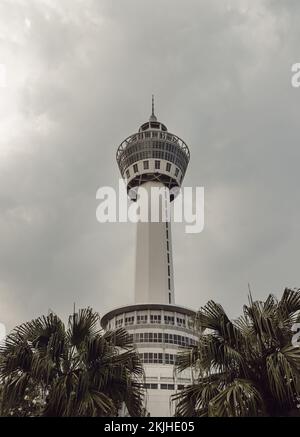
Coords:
152,134
153,144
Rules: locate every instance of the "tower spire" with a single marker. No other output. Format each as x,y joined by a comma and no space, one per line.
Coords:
153,117
152,104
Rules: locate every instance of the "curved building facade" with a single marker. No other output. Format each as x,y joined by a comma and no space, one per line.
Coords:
159,332
154,162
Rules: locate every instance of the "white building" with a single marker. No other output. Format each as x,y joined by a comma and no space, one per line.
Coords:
155,158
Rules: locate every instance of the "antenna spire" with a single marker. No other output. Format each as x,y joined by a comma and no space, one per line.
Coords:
153,117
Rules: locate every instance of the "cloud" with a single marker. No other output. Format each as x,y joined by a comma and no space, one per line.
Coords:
79,79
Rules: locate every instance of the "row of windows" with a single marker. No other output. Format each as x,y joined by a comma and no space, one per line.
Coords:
157,167
163,386
154,319
159,337
154,125
157,358
139,156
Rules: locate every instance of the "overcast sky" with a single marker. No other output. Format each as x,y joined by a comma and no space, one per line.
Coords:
80,74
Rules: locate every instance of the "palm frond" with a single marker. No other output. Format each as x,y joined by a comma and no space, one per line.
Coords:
290,301
83,324
239,399
119,337
283,376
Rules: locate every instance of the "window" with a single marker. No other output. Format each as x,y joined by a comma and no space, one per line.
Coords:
119,323
145,126
152,358
129,321
167,386
176,172
146,165
150,337
155,318
127,174
169,320
180,386
169,359
177,339
142,319
181,322
151,386
157,165
169,283
158,358
168,167
135,168
170,298
171,339
154,125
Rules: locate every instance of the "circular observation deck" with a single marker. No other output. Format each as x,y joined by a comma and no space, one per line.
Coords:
153,154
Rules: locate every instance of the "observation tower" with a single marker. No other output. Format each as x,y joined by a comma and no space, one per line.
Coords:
155,160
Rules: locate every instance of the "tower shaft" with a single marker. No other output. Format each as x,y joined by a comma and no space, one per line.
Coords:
154,282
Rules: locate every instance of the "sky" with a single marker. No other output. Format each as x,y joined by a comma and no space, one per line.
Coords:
79,79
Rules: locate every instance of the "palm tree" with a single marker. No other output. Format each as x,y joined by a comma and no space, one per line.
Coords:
49,369
244,368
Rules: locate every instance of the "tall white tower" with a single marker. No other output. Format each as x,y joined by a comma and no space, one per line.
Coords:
155,161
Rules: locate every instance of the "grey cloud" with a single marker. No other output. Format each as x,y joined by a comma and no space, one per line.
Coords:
81,78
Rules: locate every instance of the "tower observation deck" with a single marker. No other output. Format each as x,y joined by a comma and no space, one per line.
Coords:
155,160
